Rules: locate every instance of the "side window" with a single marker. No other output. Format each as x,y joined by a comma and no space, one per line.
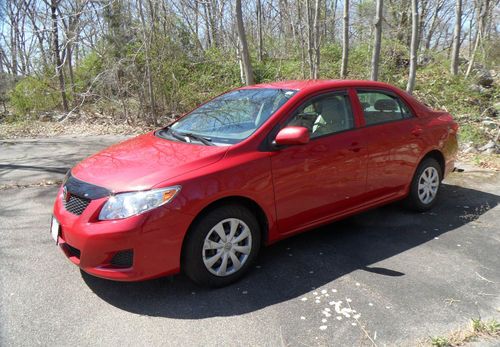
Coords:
379,107
324,115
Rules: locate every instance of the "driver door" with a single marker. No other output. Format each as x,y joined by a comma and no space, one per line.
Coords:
327,176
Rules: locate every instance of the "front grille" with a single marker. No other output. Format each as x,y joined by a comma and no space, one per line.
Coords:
76,205
123,259
75,252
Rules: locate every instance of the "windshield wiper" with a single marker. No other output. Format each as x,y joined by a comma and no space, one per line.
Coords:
176,135
182,137
199,138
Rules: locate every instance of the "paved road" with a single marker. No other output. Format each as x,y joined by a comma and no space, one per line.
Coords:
32,161
387,276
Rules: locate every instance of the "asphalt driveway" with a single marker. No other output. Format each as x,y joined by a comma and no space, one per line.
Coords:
385,277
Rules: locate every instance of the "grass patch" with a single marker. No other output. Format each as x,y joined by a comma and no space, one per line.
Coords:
471,133
478,329
491,327
440,341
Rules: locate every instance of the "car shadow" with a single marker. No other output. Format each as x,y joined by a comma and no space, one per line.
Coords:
294,266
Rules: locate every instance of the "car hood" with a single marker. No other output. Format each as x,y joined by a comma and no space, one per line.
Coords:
143,162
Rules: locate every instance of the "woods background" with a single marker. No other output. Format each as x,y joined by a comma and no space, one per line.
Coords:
144,62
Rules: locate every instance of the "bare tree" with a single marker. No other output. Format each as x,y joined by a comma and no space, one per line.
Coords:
245,56
30,9
378,40
259,30
13,12
433,23
143,56
413,46
57,54
317,40
313,37
481,24
334,19
345,41
147,49
456,38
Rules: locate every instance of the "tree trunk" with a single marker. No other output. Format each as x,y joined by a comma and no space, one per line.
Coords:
413,46
301,32
334,19
316,40
69,63
378,40
57,55
424,9
245,56
23,53
309,39
14,34
31,13
147,47
432,26
212,9
208,29
313,38
1,60
480,23
456,38
345,40
259,30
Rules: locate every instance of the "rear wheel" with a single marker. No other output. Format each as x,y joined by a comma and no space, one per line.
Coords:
425,185
221,246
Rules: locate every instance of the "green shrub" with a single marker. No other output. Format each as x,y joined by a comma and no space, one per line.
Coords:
33,94
87,70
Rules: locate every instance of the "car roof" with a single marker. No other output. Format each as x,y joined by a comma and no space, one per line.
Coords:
314,86
319,84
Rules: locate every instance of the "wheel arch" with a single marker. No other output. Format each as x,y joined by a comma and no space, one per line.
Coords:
439,157
435,154
250,204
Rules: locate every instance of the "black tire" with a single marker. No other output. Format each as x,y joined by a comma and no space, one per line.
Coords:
413,201
193,264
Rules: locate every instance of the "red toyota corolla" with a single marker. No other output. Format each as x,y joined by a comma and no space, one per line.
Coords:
250,167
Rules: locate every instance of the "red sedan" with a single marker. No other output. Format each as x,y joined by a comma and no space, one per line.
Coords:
250,167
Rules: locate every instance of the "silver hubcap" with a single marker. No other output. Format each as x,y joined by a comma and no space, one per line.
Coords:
227,247
428,185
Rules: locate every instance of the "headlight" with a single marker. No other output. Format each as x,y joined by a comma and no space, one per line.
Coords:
129,204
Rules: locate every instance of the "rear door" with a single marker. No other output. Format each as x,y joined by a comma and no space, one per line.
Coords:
318,180
394,142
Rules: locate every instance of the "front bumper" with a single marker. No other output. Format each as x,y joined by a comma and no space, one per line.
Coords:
154,238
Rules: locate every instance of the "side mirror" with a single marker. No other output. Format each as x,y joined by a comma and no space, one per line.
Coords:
292,136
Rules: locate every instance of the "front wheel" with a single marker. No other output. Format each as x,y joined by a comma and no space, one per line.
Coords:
425,185
221,246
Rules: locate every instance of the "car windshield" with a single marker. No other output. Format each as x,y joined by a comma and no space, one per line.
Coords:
229,118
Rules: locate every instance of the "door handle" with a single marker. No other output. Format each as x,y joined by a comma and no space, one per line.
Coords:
354,147
417,131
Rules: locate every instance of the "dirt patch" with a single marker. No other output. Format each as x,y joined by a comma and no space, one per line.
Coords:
44,183
483,161
33,129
